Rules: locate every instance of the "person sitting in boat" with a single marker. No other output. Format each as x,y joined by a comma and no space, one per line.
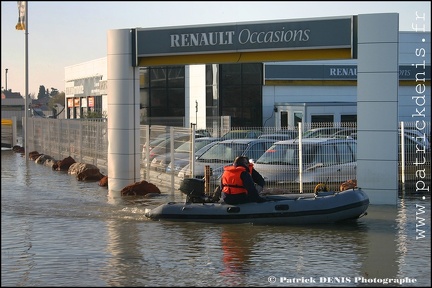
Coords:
240,181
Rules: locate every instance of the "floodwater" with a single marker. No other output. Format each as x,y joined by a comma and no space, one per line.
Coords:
57,231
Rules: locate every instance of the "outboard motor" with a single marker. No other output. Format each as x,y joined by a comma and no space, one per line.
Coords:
194,190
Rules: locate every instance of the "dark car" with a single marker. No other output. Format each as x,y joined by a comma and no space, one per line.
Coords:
241,134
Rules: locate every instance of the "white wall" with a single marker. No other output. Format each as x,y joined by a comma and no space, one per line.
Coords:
408,43
301,94
87,69
97,67
195,90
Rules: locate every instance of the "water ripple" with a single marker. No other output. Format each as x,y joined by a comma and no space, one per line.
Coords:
57,231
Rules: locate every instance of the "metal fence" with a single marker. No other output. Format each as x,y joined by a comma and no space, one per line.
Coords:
331,164
86,141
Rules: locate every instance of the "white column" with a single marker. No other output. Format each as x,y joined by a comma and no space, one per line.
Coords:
195,93
123,112
377,106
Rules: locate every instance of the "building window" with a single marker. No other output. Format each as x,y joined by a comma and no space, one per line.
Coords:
349,118
284,119
298,118
240,93
162,92
320,120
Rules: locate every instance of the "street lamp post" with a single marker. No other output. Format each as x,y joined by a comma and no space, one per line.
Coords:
196,112
6,78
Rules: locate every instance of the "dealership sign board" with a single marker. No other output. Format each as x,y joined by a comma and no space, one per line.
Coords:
253,37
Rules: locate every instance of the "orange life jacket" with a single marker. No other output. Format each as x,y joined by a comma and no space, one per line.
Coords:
231,181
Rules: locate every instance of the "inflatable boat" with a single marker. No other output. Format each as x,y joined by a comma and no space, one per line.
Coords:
285,209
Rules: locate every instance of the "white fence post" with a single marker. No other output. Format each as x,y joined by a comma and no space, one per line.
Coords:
402,149
172,156
300,157
147,153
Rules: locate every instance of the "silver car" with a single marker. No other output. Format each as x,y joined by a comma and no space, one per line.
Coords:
179,163
328,132
182,152
224,152
324,160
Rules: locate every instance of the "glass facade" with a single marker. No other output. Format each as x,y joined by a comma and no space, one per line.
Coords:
162,92
231,90
240,93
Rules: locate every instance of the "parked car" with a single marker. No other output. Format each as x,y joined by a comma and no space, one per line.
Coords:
416,150
278,136
327,132
179,163
202,133
224,153
164,136
417,136
242,134
325,160
161,162
156,141
153,143
165,146
415,144
293,132
344,133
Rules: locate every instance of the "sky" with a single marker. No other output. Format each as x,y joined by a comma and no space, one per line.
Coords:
65,33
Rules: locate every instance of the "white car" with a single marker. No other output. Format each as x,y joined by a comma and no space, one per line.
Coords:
324,160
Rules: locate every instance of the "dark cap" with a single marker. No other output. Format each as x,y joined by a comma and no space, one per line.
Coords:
241,161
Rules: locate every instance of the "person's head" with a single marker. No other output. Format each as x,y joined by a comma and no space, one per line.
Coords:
241,161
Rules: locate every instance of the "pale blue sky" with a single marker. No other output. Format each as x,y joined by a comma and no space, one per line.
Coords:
64,33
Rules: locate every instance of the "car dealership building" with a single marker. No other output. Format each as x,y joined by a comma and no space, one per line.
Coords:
278,94
170,72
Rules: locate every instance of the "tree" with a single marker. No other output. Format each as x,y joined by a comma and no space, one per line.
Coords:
59,98
94,114
43,94
54,92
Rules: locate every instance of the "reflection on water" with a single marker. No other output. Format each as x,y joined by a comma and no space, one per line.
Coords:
57,231
237,248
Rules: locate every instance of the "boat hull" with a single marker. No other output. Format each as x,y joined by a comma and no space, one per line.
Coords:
290,209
